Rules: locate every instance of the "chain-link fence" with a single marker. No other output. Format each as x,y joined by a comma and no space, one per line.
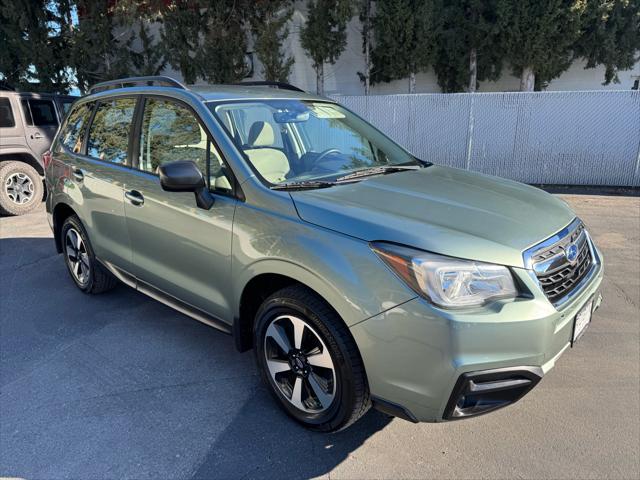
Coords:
573,138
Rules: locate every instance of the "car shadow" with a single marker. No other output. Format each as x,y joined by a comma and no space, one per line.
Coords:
262,442
136,388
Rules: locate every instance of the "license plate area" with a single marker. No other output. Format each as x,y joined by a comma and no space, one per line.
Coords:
581,321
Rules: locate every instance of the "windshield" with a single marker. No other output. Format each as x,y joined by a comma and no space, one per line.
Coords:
290,141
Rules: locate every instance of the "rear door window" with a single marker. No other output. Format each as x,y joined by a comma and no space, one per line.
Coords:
72,133
39,112
6,114
110,129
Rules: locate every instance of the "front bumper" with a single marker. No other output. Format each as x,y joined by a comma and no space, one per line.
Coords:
420,359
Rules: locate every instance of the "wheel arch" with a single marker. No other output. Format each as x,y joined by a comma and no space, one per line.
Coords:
261,286
22,156
61,212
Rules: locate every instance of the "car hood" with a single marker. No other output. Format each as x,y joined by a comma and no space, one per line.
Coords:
442,210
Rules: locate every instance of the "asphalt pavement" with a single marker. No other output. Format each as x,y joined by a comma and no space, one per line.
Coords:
119,386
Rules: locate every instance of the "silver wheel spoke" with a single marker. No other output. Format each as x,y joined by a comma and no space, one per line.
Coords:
298,331
278,334
323,397
321,360
296,395
277,366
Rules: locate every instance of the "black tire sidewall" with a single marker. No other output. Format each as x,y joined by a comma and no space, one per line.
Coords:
6,204
75,223
342,406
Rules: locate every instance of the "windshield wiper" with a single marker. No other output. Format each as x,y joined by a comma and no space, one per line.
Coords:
302,185
381,170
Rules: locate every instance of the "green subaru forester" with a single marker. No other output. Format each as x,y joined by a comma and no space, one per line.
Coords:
360,275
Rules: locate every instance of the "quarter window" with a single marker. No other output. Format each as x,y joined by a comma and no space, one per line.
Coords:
171,131
109,132
39,112
6,114
72,135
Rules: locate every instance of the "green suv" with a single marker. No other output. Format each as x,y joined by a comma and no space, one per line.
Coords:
359,275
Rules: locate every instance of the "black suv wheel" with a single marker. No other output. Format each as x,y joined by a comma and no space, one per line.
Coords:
87,273
309,360
21,188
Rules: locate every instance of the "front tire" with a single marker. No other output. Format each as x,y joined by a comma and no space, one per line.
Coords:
21,188
309,360
87,273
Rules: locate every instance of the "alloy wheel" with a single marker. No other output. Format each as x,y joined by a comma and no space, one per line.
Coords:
77,256
300,364
19,188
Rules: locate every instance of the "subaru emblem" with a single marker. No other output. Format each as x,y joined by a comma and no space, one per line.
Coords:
571,252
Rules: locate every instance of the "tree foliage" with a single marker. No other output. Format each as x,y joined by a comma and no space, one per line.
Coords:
405,32
469,48
102,47
610,36
539,37
268,21
365,15
34,36
205,39
324,34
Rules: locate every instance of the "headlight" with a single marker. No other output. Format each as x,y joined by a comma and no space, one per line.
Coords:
445,281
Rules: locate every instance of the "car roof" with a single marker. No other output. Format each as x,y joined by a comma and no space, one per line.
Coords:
7,93
206,92
238,92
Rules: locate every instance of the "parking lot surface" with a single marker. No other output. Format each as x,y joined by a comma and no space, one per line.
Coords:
120,386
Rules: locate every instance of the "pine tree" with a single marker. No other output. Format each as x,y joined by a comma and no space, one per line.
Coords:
468,45
324,34
366,21
404,37
205,39
101,48
610,36
222,54
182,22
268,21
149,60
539,37
34,37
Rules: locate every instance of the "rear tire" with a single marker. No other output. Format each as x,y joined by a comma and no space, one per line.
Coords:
21,188
309,360
87,273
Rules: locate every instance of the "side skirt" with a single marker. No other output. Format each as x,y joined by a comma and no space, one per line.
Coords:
167,299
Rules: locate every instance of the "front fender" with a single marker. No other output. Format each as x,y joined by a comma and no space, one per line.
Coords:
341,269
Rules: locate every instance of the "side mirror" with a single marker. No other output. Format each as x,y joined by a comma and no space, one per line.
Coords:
185,176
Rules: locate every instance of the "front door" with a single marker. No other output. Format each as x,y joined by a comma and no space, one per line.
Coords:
178,248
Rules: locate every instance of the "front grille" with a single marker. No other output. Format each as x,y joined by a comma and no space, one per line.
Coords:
558,276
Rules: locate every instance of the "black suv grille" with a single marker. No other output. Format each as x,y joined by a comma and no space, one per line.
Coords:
557,276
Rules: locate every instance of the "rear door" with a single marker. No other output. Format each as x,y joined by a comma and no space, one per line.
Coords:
98,174
40,121
178,248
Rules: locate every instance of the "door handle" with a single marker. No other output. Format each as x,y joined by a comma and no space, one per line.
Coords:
37,136
134,197
78,175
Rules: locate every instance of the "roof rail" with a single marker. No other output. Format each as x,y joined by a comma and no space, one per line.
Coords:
158,80
278,85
